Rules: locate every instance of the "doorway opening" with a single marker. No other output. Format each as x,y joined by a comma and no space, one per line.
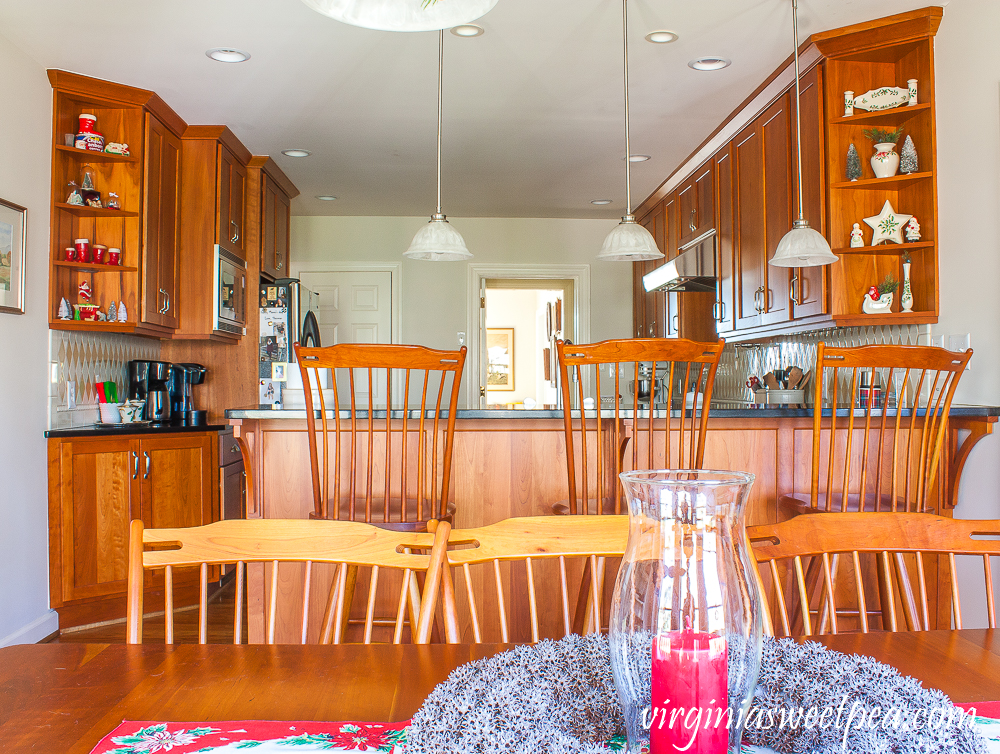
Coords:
524,319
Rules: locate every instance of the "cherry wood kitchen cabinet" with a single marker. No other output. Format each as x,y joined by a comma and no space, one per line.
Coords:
654,302
276,194
213,203
756,187
97,485
696,205
161,210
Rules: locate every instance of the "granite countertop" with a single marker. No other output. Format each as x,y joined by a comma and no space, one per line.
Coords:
108,430
724,411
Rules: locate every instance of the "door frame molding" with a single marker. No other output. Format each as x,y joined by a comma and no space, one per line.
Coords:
396,284
578,273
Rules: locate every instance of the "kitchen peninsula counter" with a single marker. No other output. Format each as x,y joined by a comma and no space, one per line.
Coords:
512,462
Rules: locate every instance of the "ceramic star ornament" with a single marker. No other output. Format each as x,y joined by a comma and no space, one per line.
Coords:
887,225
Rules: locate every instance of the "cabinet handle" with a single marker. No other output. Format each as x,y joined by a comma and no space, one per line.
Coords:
719,311
166,302
279,265
236,233
135,465
756,300
676,322
768,296
691,222
792,290
163,308
149,462
722,309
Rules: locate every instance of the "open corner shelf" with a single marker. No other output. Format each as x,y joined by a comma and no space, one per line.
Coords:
884,184
883,117
893,318
76,324
91,267
85,155
84,211
888,249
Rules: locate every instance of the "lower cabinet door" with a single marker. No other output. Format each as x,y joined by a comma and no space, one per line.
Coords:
95,498
232,487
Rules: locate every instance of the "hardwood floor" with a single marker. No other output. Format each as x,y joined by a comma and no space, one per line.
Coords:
220,624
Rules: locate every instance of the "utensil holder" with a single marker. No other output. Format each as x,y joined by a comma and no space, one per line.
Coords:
111,413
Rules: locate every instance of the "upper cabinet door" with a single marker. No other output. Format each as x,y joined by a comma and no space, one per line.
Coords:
748,164
809,283
776,132
725,243
161,210
696,205
231,202
276,210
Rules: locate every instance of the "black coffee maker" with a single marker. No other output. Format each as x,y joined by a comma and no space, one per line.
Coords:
148,381
182,377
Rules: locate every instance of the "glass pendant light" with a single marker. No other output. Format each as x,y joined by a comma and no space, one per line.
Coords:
403,15
802,246
438,241
629,242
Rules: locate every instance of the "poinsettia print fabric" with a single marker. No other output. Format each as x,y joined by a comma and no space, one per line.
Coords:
257,736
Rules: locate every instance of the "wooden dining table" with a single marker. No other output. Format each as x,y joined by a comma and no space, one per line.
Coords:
67,697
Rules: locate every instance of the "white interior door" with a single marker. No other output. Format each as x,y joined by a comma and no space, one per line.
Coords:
354,307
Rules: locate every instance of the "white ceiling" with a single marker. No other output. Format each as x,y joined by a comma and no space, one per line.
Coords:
532,109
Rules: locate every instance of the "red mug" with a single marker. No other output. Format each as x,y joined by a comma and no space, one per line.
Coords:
82,249
114,256
100,252
70,253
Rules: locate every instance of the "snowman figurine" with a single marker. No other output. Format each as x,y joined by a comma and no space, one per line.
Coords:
857,237
912,231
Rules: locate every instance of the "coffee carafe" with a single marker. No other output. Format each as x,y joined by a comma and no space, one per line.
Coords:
149,381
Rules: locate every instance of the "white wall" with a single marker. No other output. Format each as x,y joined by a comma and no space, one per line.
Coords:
434,296
24,180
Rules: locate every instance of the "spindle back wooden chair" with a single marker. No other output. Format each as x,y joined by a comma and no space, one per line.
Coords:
391,463
313,558
597,439
547,546
853,546
870,456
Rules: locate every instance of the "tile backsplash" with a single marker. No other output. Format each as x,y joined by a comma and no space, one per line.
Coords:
82,357
740,360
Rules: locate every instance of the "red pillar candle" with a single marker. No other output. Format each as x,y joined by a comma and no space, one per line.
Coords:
690,694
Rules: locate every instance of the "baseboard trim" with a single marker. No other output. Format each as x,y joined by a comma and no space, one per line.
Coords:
40,628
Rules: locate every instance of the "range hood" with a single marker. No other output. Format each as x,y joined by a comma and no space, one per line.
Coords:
691,270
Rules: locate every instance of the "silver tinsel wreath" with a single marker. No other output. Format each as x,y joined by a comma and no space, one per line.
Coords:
559,697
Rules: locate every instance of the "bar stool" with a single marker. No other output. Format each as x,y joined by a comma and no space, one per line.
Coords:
663,375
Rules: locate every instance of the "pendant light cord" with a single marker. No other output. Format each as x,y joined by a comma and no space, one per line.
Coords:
628,151
798,102
440,87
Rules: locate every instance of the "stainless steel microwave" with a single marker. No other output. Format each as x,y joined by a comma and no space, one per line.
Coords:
230,293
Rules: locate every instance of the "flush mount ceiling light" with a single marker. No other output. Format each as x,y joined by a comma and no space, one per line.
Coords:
629,242
227,55
638,157
403,15
802,246
327,198
468,30
710,63
438,241
661,37
600,201
296,152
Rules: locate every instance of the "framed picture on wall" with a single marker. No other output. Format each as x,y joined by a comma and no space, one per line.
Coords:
11,257
500,358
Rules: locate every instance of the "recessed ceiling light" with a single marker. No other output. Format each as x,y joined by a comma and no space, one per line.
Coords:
296,152
468,30
327,198
227,55
710,63
638,157
600,201
661,37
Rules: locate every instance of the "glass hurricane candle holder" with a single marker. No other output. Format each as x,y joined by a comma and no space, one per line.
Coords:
686,623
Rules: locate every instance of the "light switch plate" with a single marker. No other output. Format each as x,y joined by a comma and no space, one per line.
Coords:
461,339
70,394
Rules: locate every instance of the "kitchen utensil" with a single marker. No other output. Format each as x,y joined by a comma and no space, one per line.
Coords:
771,381
794,377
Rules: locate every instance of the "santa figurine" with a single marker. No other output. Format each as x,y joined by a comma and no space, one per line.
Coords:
873,303
857,237
912,230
